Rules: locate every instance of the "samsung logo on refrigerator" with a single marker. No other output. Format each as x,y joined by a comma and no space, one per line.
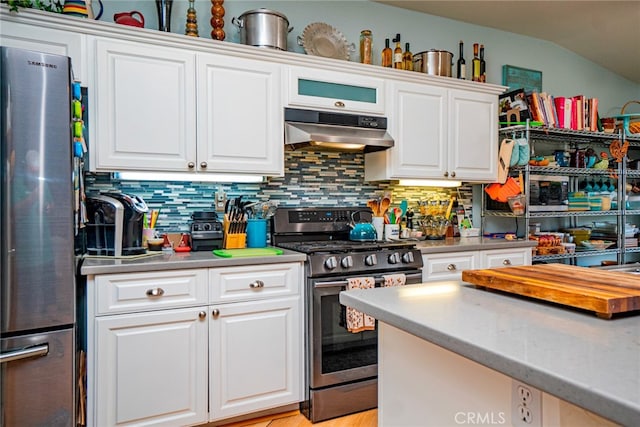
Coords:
41,64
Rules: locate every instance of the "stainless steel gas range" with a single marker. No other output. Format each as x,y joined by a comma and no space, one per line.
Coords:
341,366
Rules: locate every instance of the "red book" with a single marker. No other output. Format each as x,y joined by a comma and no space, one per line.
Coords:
563,108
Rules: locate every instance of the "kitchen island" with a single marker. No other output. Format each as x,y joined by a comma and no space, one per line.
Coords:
449,355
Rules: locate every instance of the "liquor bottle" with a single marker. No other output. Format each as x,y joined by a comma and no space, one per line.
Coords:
407,58
397,53
475,71
461,66
483,65
387,55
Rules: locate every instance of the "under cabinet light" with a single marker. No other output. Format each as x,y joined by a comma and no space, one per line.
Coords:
430,183
189,177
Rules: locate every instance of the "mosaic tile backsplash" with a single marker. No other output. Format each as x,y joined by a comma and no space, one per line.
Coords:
311,179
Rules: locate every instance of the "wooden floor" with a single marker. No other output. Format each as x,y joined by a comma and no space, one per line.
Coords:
296,419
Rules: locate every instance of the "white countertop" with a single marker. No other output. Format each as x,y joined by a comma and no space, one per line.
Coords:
574,355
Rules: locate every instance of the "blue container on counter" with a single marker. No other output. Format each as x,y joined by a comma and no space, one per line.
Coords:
256,233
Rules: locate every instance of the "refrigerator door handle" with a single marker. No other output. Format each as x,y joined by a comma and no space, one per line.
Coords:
25,353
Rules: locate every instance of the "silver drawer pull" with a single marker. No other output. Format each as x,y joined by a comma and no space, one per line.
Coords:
156,292
452,267
24,353
506,262
256,284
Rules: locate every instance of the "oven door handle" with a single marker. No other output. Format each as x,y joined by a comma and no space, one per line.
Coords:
379,280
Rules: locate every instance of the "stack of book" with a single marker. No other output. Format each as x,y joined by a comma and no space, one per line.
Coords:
576,112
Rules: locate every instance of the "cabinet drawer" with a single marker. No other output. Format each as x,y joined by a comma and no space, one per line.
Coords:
335,91
254,282
132,292
505,258
447,266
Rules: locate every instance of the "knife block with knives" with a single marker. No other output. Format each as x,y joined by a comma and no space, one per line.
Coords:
235,236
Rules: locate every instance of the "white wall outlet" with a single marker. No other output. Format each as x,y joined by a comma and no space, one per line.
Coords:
220,200
526,405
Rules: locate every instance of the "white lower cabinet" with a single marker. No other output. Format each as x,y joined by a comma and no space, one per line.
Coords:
255,356
152,368
167,349
449,265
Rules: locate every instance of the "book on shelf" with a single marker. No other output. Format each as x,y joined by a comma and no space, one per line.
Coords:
576,112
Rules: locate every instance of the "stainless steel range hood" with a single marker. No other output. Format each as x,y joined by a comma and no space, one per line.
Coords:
324,131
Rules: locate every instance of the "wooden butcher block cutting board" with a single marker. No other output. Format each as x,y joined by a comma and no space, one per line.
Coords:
601,291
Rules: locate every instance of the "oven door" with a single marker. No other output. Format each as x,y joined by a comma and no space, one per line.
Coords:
337,355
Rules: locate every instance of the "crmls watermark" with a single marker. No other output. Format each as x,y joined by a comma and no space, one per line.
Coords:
480,418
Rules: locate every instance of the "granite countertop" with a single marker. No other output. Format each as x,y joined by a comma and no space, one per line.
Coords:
178,260
573,355
471,244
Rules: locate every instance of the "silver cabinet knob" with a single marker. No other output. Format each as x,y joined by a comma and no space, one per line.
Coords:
506,262
156,292
215,312
256,284
446,174
451,267
339,104
203,165
191,165
202,315
453,174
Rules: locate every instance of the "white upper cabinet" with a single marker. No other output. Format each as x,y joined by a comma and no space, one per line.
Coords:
417,121
144,99
240,115
165,109
473,136
439,133
48,40
330,90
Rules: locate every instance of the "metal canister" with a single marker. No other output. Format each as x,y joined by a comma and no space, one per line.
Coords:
439,62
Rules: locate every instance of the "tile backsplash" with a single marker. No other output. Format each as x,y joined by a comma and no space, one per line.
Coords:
311,179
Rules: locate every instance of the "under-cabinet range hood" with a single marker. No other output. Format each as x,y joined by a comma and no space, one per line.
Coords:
324,131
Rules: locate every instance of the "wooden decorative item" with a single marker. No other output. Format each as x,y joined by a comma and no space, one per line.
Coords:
191,28
217,20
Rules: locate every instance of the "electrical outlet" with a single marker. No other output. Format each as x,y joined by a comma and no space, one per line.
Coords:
526,403
220,200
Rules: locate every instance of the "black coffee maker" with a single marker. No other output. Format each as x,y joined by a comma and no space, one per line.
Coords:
115,224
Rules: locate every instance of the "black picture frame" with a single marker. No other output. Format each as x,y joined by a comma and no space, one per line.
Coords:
513,107
518,77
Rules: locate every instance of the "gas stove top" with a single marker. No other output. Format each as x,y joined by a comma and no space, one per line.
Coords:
322,234
342,246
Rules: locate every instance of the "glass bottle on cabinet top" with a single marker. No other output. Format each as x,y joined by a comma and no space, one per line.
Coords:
595,199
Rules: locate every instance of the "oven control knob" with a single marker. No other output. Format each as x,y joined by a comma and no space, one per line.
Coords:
347,262
394,258
331,263
407,258
371,260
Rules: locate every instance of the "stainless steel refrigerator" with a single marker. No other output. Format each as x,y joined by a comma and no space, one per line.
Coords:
37,312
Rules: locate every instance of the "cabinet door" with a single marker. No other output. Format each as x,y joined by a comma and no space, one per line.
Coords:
473,136
144,100
330,90
417,120
256,356
240,116
447,266
47,40
505,257
151,368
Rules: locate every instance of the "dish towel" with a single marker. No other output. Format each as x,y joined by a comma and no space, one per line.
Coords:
357,321
399,279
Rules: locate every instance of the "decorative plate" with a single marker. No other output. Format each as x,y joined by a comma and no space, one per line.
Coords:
320,39
599,245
